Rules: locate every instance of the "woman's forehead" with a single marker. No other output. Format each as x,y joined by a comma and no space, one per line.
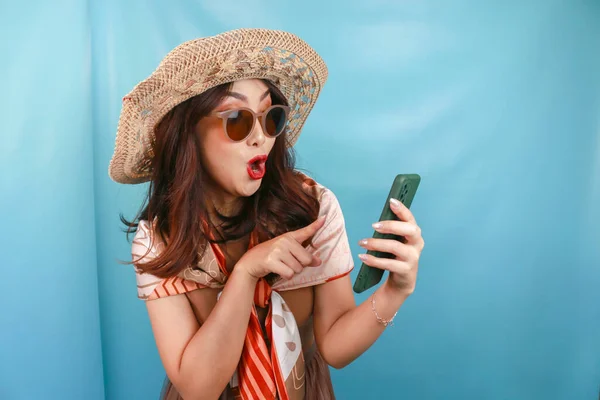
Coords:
250,91
249,86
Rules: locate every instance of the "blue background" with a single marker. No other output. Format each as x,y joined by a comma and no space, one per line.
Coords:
495,104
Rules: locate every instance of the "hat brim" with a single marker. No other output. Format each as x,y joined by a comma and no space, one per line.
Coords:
200,64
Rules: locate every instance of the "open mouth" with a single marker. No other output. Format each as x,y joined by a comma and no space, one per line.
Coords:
256,167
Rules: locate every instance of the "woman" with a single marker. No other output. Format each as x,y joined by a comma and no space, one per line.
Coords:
244,262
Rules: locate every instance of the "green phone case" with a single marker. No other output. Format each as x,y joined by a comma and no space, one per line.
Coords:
404,189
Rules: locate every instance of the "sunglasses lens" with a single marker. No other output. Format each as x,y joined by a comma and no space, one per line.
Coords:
239,124
275,121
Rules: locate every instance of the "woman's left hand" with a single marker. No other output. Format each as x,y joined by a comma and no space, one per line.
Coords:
405,264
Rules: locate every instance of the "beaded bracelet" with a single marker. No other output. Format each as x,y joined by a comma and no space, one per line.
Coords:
385,322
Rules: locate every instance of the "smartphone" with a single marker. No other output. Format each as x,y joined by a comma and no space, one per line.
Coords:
403,189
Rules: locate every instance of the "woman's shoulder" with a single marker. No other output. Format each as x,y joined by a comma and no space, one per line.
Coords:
313,187
319,191
329,243
144,248
146,237
147,246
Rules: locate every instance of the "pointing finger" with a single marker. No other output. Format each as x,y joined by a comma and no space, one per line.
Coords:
308,231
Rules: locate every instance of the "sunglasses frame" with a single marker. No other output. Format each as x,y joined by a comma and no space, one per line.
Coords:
224,115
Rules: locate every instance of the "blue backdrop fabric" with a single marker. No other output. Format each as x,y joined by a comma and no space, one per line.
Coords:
495,104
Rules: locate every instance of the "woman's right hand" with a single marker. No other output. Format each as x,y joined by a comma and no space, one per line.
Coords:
283,255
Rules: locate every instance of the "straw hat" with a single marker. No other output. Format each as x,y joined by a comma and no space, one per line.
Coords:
200,64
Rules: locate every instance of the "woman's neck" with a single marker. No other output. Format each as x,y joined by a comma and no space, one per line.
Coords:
221,203
227,208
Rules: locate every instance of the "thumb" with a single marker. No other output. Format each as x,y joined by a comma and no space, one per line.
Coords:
308,231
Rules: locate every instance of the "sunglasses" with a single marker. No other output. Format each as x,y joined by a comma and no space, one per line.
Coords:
239,123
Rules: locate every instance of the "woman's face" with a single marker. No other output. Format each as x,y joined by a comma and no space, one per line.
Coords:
230,164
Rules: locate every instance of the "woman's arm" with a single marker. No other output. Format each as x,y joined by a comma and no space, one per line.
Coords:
200,361
342,330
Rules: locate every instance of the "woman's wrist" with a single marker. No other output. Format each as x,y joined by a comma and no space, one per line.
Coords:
393,291
243,272
385,303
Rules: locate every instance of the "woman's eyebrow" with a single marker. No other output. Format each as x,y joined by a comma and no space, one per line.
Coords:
242,97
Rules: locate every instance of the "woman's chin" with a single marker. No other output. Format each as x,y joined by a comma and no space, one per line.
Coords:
249,188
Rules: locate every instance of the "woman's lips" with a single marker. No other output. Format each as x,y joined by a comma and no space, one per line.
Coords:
256,167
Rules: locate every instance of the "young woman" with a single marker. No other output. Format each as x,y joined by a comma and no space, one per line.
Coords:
243,261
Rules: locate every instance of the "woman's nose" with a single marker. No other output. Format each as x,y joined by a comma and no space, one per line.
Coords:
257,136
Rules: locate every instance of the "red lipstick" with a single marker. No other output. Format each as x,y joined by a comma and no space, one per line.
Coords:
256,167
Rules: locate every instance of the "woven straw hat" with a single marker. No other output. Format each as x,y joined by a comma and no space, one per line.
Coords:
200,64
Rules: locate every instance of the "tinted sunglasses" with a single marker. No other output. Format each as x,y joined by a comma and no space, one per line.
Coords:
239,123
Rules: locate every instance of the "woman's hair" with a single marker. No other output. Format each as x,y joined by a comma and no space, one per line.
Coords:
176,203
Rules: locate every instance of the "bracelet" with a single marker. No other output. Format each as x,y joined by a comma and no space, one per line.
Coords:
385,322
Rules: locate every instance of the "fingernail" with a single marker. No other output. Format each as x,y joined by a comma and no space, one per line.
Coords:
395,203
363,242
377,225
363,257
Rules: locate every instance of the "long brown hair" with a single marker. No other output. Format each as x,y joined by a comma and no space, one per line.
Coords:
176,199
